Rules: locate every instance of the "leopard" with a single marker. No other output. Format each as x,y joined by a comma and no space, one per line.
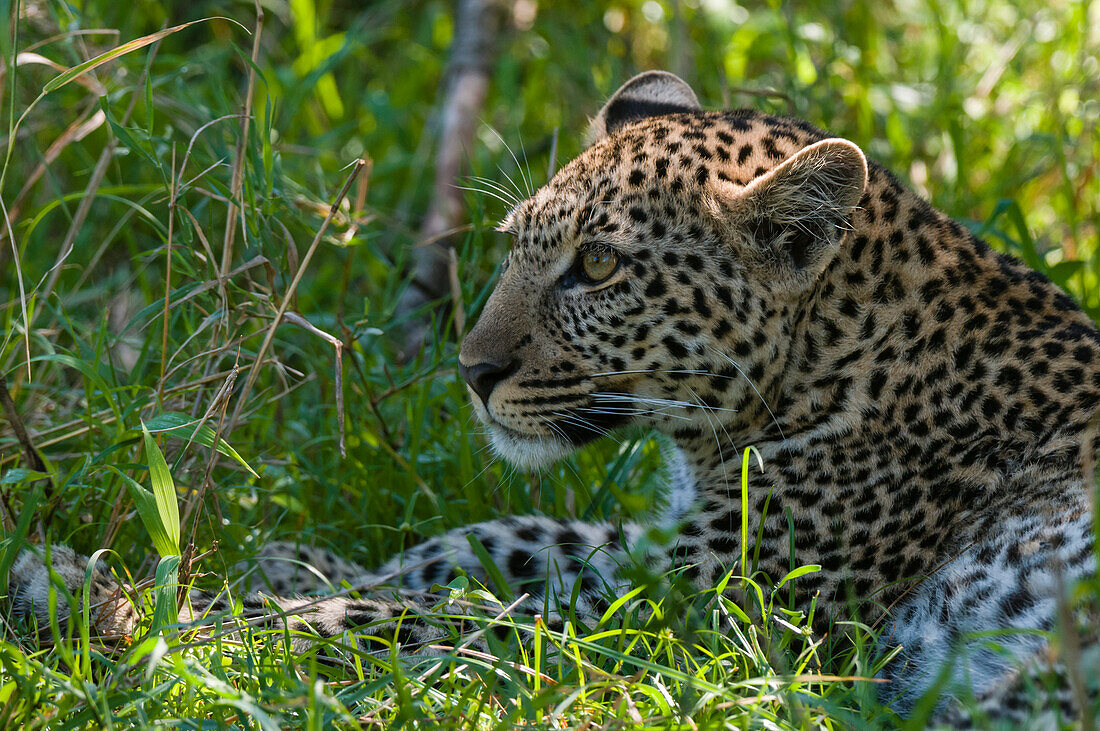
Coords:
922,406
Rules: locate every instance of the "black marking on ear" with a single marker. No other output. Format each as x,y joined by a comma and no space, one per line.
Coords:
800,246
794,241
626,109
649,94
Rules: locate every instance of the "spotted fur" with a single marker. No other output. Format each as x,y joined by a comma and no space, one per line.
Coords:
919,401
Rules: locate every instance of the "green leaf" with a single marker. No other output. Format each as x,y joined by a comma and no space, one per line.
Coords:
146,506
21,474
164,490
1027,244
182,426
800,571
86,369
267,153
149,109
128,139
618,603
1061,272
745,505
138,43
165,611
735,610
84,626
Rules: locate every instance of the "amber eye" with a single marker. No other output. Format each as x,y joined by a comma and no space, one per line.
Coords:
599,264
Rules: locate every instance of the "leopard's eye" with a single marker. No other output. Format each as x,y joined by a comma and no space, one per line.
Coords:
599,264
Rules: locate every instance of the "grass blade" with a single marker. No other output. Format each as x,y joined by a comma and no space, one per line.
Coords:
165,611
138,43
182,426
146,506
164,490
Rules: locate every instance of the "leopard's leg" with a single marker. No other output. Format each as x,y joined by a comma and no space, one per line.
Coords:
531,554
286,568
1006,585
541,557
111,610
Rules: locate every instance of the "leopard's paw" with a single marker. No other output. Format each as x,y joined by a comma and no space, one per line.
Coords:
30,582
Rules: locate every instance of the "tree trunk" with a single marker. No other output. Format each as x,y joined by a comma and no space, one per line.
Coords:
477,23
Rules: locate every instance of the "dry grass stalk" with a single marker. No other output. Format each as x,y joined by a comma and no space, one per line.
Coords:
237,182
167,279
30,453
176,187
22,289
338,345
219,403
288,296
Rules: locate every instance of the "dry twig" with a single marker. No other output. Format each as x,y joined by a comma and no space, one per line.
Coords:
34,459
338,345
237,181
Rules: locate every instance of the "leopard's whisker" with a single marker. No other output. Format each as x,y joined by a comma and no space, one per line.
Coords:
647,413
581,422
638,371
664,410
525,171
759,395
489,184
519,168
586,424
496,186
718,444
652,400
483,192
552,426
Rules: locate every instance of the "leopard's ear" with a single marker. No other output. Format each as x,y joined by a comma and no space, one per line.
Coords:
648,94
799,212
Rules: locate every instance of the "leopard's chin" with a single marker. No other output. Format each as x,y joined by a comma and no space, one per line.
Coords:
570,430
528,452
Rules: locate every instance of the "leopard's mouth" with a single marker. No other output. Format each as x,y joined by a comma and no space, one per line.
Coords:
567,430
602,414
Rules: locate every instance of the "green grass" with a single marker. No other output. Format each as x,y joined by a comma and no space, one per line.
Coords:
989,108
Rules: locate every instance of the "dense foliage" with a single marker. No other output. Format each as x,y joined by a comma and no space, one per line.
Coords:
156,215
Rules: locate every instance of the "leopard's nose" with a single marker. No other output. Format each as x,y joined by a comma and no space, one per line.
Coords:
484,377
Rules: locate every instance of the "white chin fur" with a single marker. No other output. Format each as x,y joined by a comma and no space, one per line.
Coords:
528,452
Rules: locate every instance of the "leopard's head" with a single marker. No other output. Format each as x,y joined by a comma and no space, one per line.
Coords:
654,279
